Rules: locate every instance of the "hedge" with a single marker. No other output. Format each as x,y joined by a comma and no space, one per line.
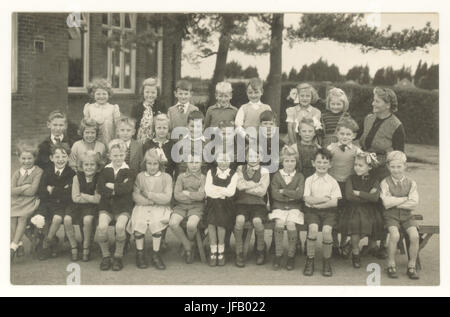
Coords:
418,109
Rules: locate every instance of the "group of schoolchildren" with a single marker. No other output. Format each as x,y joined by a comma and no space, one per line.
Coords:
122,172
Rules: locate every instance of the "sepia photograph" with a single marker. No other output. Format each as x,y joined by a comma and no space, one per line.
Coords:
225,148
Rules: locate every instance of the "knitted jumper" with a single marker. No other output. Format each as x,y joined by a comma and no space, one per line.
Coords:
292,192
248,199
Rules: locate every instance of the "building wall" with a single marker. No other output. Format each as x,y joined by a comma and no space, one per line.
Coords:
42,77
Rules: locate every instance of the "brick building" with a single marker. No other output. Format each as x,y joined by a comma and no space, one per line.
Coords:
55,55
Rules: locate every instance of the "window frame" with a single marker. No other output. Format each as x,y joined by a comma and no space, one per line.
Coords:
83,89
110,28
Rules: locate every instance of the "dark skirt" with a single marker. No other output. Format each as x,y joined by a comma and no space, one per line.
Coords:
79,211
220,212
363,219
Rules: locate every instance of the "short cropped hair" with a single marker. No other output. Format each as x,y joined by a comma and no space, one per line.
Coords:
89,155
56,114
396,155
314,94
126,120
183,85
268,115
195,115
347,122
324,153
62,146
117,144
88,123
162,117
224,87
340,95
100,83
388,96
26,146
307,121
151,82
255,83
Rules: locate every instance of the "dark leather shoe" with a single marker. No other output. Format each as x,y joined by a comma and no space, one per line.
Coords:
356,261
213,259
105,265
157,261
392,272
20,251
189,256
412,273
309,267
117,264
260,257
277,263
221,259
240,260
43,254
290,264
12,254
326,270
141,261
382,253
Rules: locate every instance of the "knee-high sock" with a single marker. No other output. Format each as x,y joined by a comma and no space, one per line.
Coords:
292,240
259,236
327,248
311,247
120,243
238,232
278,234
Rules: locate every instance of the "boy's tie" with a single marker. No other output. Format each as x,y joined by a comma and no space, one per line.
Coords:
181,108
127,157
343,146
58,173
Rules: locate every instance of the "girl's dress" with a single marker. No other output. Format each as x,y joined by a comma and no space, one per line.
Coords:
220,212
144,115
306,155
329,123
82,186
25,203
362,216
153,213
80,147
105,115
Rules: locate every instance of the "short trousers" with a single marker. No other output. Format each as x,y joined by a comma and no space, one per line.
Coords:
185,210
251,212
114,216
50,210
289,215
400,218
321,217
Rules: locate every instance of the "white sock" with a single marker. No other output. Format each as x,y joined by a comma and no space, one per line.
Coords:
14,246
156,243
221,248
213,248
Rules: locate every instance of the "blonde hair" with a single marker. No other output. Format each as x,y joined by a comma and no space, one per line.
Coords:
287,151
150,82
162,117
87,156
314,94
396,155
26,146
100,83
224,87
340,95
153,154
117,144
369,158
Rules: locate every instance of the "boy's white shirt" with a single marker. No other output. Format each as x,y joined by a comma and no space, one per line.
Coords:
390,201
23,171
333,189
123,166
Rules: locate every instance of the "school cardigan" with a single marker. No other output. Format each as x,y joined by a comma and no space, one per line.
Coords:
44,152
62,191
387,134
136,155
292,192
254,196
178,119
342,162
391,190
25,201
216,113
120,199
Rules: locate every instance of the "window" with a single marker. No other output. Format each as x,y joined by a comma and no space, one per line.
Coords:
14,53
79,53
121,54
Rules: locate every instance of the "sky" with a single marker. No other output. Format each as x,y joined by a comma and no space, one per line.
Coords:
345,56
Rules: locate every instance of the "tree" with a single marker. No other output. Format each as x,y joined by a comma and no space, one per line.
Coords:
293,74
233,70
250,72
359,74
431,79
378,79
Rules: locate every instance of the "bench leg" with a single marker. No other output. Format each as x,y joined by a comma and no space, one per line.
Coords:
248,237
200,246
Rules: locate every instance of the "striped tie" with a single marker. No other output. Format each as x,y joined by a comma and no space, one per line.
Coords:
127,158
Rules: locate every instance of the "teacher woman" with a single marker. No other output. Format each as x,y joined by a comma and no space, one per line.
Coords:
383,131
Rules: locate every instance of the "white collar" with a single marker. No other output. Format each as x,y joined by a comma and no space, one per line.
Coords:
60,170
350,145
283,173
259,103
52,137
160,143
124,165
309,108
24,171
128,143
398,181
158,173
315,177
188,136
224,173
